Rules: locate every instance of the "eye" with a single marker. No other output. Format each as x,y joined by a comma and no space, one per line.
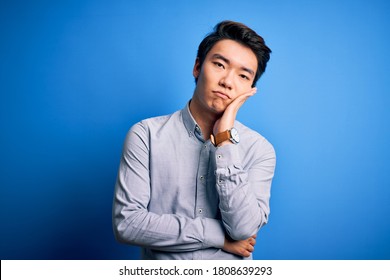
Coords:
244,77
219,65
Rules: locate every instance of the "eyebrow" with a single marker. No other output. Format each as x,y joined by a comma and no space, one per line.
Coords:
226,60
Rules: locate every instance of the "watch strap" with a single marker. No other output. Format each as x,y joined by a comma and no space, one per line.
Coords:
220,137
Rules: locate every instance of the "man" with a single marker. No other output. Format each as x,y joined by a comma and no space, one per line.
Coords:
196,184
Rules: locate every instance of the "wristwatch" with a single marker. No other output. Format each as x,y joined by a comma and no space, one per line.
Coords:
230,134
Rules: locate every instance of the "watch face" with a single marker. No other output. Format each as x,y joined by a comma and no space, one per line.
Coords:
234,135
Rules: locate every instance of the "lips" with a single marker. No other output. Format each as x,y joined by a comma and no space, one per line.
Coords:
221,94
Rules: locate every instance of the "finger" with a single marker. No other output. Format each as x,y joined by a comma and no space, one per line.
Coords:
245,253
245,95
240,100
252,241
248,94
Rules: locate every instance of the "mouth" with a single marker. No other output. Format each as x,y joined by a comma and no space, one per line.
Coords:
221,94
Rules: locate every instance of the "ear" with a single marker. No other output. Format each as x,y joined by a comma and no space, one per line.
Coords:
196,70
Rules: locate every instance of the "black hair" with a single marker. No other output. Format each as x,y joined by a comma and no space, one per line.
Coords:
242,34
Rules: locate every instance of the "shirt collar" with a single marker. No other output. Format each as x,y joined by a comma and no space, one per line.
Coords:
192,127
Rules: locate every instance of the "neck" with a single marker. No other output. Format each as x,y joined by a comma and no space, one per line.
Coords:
204,119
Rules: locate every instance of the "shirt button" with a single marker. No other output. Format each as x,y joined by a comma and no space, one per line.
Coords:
200,210
219,156
202,178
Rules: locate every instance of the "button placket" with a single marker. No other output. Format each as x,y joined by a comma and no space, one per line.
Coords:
201,207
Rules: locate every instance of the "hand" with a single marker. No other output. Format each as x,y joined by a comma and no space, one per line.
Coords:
229,116
242,248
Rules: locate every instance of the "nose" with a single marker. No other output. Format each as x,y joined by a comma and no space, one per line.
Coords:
226,80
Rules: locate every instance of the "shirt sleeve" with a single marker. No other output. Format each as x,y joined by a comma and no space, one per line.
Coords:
244,192
134,224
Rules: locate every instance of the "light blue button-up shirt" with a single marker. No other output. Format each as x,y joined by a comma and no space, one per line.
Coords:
177,196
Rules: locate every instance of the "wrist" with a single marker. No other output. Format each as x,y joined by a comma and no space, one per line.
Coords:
226,137
226,142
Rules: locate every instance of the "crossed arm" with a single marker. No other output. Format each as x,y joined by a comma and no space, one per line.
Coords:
243,194
241,209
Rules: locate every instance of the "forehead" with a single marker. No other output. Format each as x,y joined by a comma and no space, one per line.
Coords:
238,54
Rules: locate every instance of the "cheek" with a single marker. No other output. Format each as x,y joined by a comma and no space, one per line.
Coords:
210,74
202,79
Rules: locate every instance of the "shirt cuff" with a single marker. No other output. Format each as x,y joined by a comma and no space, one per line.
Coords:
227,155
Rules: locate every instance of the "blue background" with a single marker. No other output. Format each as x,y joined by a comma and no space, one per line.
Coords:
75,75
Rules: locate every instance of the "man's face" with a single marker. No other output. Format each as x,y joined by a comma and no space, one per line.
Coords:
227,72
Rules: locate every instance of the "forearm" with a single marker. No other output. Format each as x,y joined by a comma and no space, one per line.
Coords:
241,213
167,232
134,223
244,194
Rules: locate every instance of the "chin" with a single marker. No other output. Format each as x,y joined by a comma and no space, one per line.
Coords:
218,109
